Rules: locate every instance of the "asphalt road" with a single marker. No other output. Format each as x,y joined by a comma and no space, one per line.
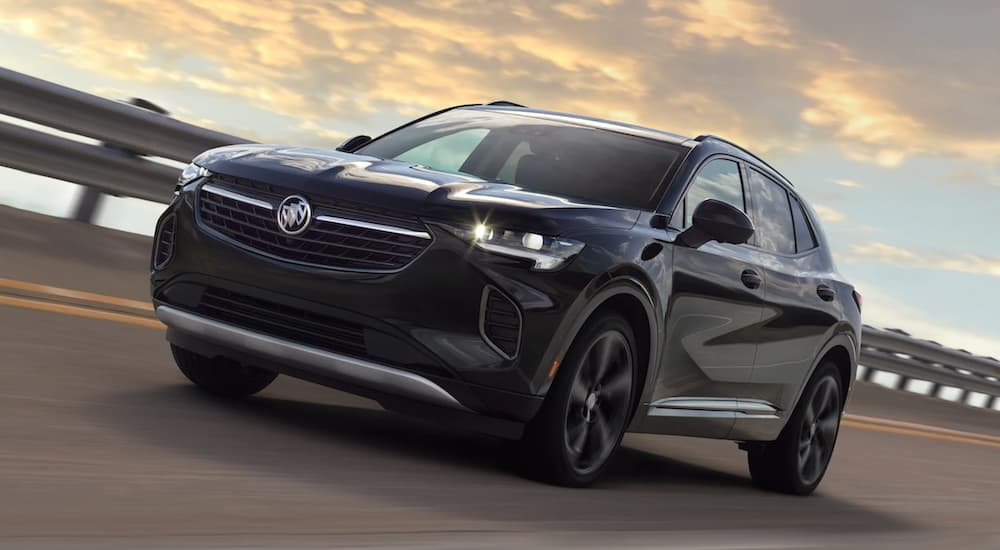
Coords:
104,445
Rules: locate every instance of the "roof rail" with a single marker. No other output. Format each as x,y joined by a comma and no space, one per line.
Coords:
704,137
504,103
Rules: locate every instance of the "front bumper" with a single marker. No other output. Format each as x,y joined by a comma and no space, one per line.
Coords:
421,323
317,361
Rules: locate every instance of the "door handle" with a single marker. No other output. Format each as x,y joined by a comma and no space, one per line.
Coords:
826,293
751,279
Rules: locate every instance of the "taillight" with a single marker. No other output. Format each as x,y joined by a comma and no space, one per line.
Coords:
857,299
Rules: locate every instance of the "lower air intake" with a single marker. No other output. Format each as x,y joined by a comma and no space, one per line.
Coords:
164,250
500,322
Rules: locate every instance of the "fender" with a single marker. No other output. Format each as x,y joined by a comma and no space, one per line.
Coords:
601,290
843,335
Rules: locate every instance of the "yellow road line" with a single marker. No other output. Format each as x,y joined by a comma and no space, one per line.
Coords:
919,427
79,311
75,294
920,433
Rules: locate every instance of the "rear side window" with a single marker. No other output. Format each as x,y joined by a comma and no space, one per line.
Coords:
720,180
775,229
805,238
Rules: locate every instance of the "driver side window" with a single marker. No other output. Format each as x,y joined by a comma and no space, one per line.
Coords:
719,179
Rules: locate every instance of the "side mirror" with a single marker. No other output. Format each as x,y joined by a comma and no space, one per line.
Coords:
353,143
714,220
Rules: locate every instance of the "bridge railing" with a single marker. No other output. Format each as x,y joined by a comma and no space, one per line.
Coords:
128,135
118,126
914,359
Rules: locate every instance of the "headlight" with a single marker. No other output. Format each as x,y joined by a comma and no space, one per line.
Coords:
548,253
190,173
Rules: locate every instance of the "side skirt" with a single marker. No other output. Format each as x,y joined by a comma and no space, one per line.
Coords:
714,417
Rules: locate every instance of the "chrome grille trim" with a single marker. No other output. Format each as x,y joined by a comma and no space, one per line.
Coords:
375,226
215,189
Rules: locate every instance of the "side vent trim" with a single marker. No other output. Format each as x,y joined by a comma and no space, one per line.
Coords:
500,322
165,238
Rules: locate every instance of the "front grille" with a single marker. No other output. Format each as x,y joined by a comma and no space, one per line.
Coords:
339,236
500,322
343,209
164,249
283,321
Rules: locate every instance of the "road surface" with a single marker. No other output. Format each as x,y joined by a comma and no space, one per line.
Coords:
104,445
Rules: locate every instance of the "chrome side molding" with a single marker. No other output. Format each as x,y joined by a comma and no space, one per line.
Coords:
343,367
714,407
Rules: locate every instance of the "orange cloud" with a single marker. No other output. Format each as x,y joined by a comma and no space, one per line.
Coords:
889,254
733,67
874,128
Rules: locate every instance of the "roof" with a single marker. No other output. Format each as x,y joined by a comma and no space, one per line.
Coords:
620,127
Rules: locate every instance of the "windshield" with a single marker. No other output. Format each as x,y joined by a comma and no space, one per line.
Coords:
541,155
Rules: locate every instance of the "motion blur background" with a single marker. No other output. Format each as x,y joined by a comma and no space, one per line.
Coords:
884,114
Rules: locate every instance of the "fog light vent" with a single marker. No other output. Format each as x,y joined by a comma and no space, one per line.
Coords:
164,250
500,322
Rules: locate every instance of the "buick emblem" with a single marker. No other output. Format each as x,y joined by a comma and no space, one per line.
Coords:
293,214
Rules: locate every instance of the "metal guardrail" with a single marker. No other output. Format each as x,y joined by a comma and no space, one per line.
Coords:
122,126
92,165
130,128
915,359
42,102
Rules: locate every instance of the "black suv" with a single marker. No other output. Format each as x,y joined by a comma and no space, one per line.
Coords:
545,277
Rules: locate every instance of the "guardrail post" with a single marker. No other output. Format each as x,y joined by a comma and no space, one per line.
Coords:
869,374
86,206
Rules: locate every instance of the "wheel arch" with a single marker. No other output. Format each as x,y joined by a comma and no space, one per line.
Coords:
841,349
630,296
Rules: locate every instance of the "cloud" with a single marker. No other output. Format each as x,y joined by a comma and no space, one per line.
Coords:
894,255
828,214
850,102
847,183
765,74
719,22
858,116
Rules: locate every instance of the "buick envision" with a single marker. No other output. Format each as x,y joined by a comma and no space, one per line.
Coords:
546,277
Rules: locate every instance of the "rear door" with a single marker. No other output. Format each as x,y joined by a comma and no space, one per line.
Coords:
800,308
714,310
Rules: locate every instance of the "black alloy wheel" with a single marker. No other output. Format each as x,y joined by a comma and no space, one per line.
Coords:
796,462
599,402
818,431
588,407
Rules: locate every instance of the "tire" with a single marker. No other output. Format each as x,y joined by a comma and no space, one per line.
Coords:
796,462
220,376
584,416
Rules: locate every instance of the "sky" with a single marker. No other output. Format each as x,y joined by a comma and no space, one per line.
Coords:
886,115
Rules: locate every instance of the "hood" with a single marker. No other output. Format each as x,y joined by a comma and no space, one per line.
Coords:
405,187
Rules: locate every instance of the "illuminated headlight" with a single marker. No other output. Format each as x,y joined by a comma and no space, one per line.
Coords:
190,173
548,253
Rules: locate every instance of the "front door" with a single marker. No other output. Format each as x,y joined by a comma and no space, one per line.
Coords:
712,320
